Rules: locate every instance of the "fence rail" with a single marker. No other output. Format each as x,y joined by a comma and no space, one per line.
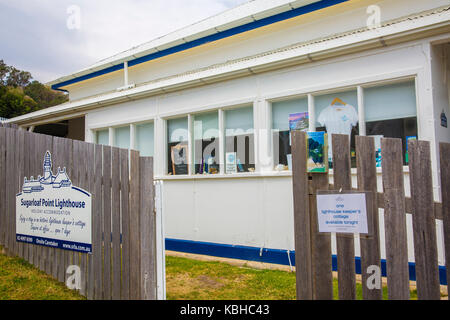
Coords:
122,264
313,249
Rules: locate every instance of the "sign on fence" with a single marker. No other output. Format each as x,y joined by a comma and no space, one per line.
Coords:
51,211
342,212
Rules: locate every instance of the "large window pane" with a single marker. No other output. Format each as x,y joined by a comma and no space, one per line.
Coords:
122,137
206,143
390,112
337,113
239,144
145,139
102,137
394,101
281,113
177,146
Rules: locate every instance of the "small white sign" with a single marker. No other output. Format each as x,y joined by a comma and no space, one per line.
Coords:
342,213
50,211
230,163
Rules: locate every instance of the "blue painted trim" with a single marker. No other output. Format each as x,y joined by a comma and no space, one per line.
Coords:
276,256
217,36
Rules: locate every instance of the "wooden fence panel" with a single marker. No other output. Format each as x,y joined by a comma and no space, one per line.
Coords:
344,242
125,216
107,223
424,225
3,162
395,219
97,223
115,214
134,227
320,244
367,181
444,151
90,186
302,223
147,230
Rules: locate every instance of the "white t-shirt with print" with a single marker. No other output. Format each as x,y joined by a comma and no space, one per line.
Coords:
338,119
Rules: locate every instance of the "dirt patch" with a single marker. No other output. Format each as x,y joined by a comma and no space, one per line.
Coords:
209,282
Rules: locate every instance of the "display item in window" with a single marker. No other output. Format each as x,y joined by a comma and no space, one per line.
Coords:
317,160
338,118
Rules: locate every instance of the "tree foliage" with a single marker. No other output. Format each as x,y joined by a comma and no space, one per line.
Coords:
19,95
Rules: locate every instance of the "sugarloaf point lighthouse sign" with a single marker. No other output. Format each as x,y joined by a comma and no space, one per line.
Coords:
50,211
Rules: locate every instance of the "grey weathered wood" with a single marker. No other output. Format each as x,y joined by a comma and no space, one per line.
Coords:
9,177
367,181
345,243
107,223
134,226
444,152
125,216
424,225
320,244
20,163
115,214
26,173
83,161
147,229
90,171
395,219
2,184
97,223
302,228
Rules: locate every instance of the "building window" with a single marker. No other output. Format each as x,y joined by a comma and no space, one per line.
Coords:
206,143
390,111
284,114
122,137
177,146
239,140
337,113
102,137
145,139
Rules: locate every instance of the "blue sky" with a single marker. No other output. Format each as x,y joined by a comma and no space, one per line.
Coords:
35,35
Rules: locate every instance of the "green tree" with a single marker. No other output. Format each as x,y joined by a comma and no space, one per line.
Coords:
18,95
15,103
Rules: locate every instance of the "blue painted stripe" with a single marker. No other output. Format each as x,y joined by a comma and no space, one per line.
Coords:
55,243
81,190
276,256
217,36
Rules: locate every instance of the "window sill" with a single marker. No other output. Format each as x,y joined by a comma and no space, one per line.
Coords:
265,174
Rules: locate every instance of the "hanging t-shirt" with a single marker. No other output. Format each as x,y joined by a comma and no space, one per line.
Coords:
338,119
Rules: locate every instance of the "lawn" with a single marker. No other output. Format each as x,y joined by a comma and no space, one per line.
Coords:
208,280
20,280
187,279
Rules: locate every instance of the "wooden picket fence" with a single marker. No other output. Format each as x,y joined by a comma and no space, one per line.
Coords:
313,249
122,263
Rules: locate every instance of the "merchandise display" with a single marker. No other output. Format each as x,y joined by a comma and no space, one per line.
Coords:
338,118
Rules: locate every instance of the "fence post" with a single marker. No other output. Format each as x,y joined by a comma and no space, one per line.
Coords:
444,151
302,228
367,181
424,225
395,219
135,291
344,242
147,229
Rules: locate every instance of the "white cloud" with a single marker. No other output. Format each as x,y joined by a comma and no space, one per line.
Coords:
35,36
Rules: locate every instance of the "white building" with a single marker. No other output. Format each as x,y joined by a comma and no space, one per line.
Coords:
236,77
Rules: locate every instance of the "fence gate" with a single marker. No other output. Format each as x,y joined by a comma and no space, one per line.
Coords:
121,264
313,249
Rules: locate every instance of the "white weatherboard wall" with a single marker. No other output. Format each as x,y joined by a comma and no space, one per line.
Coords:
257,210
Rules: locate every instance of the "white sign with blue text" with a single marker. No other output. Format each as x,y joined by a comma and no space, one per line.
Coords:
50,211
342,213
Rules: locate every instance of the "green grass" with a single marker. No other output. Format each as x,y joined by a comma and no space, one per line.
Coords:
20,280
187,279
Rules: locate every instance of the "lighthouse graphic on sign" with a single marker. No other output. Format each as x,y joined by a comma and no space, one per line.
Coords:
48,180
